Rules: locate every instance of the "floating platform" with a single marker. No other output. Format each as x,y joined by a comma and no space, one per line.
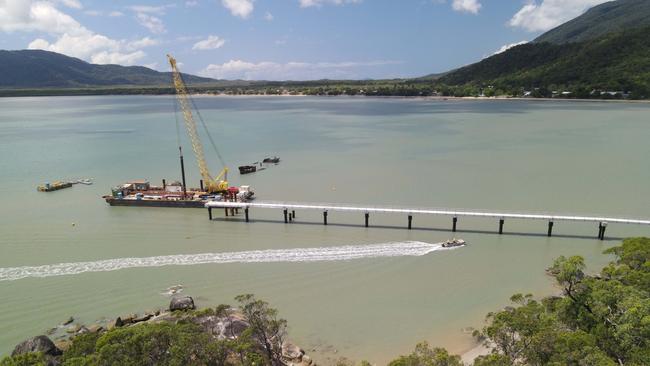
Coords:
47,187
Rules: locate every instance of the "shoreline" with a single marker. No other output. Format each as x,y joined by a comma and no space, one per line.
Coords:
302,95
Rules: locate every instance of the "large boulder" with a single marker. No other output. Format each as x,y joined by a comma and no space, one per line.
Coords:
40,343
182,303
292,352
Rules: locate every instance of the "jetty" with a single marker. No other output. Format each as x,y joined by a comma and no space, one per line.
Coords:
289,213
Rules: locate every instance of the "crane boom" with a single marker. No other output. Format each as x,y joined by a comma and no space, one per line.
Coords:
212,184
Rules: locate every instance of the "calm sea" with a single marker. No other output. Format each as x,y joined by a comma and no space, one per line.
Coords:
563,157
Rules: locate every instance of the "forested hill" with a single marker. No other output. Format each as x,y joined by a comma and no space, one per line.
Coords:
618,61
611,17
43,69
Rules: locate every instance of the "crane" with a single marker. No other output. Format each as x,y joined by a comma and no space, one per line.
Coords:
212,184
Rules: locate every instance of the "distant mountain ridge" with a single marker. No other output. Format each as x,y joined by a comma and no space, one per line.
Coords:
610,17
44,69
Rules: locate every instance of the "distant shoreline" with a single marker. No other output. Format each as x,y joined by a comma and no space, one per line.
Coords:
20,93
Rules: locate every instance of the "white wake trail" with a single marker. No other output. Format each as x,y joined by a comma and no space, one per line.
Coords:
340,253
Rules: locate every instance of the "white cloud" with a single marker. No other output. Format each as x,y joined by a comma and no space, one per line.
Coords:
210,43
158,10
239,8
468,6
268,16
238,69
310,3
70,37
504,48
538,16
93,13
75,4
191,3
116,14
154,24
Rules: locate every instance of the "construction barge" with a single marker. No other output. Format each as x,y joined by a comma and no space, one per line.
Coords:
141,193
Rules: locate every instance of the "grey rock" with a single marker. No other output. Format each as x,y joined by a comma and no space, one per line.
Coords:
182,303
69,321
37,344
292,352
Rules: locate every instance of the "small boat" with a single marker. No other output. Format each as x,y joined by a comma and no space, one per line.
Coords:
85,181
247,169
454,243
273,160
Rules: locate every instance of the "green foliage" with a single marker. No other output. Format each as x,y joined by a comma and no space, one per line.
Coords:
493,359
424,355
28,359
265,326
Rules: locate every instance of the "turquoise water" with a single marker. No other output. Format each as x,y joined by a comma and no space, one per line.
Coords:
564,157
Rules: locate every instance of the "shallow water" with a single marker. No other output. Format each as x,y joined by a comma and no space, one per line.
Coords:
562,157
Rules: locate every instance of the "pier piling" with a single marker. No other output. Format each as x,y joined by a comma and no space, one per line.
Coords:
226,211
367,217
293,213
550,229
410,221
501,221
210,213
201,184
286,219
324,217
246,213
601,230
455,220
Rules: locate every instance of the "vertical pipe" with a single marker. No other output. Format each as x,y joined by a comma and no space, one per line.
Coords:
501,221
410,220
324,217
550,229
286,219
600,229
201,184
455,220
367,217
246,212
183,173
602,234
210,213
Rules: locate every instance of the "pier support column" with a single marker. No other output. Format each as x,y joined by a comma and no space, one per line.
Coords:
210,213
226,209
367,217
246,213
550,229
293,213
455,220
601,230
410,221
324,217
501,221
290,217
286,218
201,184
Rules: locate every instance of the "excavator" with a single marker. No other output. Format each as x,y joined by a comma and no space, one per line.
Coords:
218,184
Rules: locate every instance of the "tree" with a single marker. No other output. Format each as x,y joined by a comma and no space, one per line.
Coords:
266,327
424,355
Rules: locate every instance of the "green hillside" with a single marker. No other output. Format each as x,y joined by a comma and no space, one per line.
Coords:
617,62
611,17
43,69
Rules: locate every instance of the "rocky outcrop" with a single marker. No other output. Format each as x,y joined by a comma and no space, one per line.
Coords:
40,343
182,303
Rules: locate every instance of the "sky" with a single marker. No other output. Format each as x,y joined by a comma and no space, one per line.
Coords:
283,39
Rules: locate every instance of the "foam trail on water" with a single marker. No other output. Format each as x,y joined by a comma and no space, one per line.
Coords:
340,253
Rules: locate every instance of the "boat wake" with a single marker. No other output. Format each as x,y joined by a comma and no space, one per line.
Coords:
339,253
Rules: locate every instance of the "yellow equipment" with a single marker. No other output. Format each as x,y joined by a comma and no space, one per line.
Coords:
212,185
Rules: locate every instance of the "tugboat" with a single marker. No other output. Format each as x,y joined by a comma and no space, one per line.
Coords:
247,169
273,160
454,243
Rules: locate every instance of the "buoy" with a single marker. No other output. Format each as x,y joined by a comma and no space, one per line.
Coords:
73,224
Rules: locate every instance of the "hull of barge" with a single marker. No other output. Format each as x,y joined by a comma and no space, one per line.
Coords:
155,203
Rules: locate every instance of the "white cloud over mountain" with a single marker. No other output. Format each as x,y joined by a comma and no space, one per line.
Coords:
238,69
71,38
310,3
544,15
